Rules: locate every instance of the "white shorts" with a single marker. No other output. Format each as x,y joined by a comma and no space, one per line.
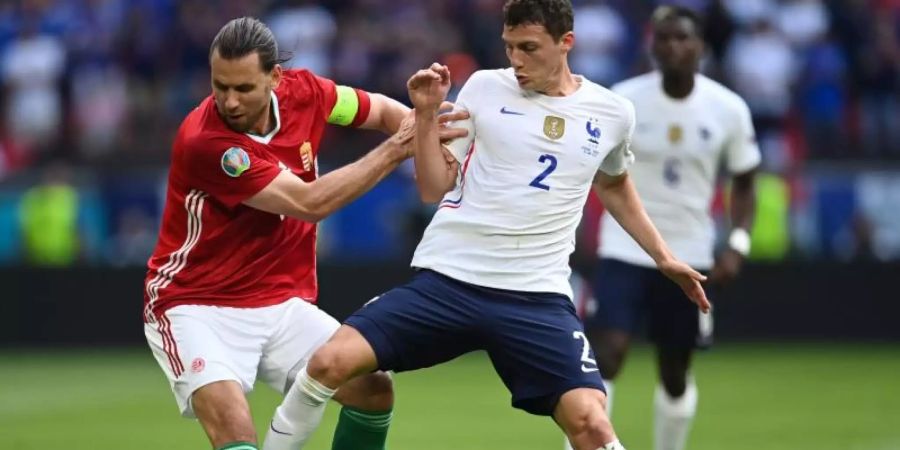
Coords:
197,345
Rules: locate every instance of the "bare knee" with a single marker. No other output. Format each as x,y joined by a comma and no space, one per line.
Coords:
590,422
581,414
346,355
371,392
328,367
224,413
610,348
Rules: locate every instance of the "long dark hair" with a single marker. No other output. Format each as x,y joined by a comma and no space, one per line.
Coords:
243,36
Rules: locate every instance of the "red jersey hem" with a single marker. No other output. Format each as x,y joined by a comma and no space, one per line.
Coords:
159,310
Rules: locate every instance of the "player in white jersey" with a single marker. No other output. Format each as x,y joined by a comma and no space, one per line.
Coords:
687,125
493,263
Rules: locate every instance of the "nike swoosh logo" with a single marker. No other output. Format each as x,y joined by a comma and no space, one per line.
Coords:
503,110
587,369
272,427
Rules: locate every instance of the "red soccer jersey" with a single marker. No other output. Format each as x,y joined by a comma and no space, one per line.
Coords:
213,249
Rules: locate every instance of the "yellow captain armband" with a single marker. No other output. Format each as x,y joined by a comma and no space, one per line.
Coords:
345,108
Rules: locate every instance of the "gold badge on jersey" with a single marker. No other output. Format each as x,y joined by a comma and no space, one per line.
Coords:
676,133
554,127
306,156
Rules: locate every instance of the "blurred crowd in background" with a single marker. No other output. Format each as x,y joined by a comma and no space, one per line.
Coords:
93,91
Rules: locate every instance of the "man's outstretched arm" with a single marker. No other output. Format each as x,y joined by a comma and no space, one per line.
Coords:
385,114
290,196
621,200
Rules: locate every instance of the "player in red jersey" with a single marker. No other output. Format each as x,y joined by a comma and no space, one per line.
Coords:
230,291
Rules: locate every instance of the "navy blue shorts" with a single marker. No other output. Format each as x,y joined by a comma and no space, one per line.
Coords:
534,340
627,295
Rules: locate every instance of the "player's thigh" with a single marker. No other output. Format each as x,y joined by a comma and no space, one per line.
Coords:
422,323
620,297
300,329
540,351
673,321
199,345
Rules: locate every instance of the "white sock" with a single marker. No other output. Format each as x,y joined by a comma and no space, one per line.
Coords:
608,384
614,445
298,415
673,417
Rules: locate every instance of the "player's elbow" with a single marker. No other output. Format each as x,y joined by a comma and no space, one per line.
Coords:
309,211
307,216
429,197
430,193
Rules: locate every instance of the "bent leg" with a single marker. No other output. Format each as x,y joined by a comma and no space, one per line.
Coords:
417,325
210,368
344,356
368,399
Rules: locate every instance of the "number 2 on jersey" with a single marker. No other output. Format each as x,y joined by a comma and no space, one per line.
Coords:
672,172
538,181
588,364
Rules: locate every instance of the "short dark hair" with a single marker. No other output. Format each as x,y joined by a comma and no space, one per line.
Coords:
670,12
243,36
555,15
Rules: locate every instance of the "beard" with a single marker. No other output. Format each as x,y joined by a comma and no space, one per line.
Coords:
244,123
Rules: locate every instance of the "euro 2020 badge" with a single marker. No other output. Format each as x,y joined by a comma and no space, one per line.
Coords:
235,161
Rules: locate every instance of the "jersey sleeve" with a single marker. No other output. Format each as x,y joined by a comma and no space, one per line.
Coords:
466,100
343,105
741,150
620,157
226,169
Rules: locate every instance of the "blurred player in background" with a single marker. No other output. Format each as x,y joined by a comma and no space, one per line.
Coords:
230,291
493,263
686,126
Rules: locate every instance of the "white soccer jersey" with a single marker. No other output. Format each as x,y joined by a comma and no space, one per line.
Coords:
526,169
679,145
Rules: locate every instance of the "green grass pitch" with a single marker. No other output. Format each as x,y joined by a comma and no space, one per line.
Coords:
761,396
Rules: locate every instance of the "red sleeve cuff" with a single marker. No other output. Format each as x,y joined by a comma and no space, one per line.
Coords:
365,105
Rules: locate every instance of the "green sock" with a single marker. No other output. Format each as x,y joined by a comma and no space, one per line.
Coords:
361,430
239,446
